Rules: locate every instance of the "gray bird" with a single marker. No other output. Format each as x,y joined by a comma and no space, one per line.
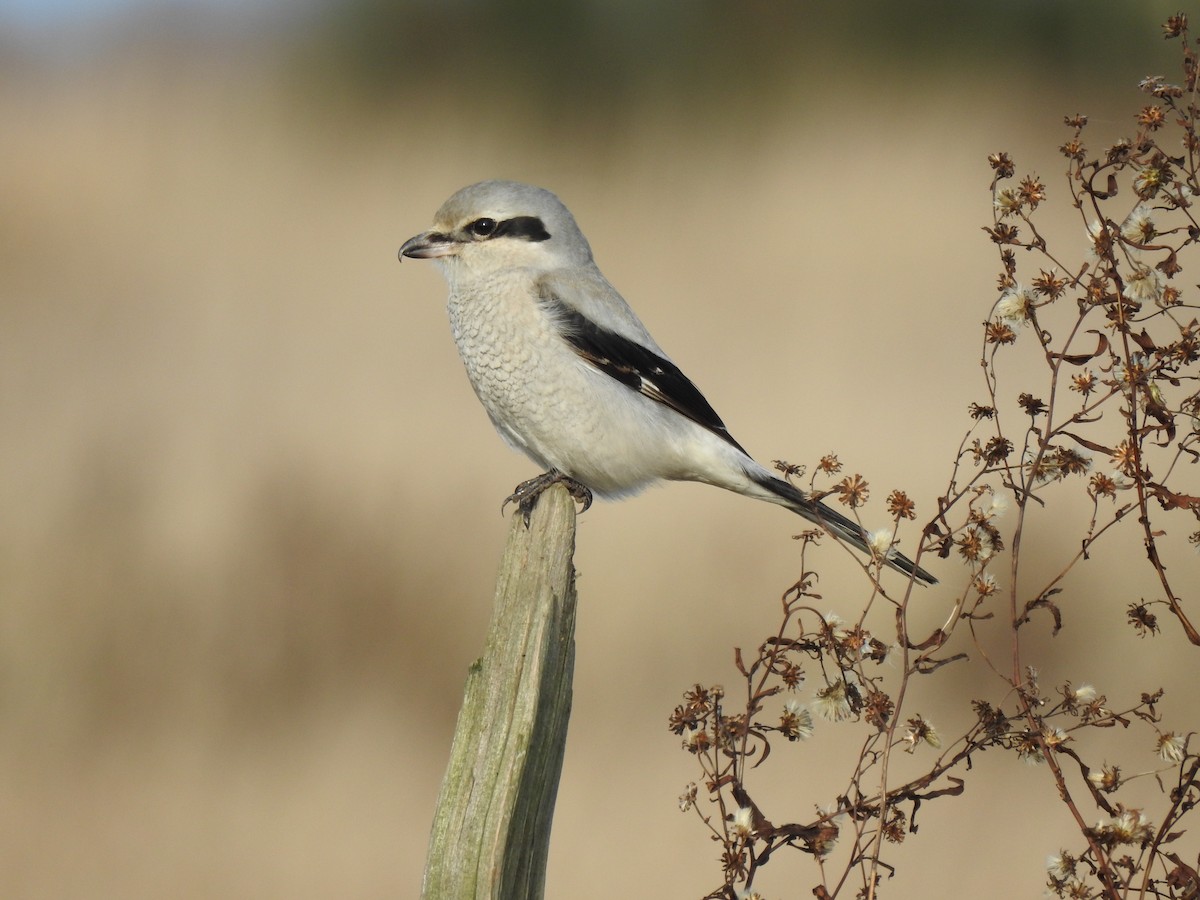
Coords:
570,376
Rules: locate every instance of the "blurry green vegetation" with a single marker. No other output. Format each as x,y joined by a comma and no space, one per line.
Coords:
570,56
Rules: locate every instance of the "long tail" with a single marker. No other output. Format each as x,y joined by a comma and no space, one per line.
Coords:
796,500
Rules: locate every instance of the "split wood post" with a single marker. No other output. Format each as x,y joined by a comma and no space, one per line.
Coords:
491,830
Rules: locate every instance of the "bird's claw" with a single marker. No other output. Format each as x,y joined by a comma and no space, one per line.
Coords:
526,494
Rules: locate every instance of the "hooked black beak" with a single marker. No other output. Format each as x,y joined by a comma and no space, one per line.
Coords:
427,245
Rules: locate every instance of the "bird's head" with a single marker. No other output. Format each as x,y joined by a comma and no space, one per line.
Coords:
493,226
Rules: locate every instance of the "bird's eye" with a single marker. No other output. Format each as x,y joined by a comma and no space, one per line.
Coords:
482,227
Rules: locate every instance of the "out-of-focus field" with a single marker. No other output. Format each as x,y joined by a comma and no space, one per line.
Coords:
249,505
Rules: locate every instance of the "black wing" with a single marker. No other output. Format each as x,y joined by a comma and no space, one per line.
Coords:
636,367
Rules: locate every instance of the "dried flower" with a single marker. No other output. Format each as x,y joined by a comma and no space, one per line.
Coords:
1152,117
1175,26
970,547
787,469
1139,225
979,541
978,412
1128,827
1143,284
688,798
1028,749
899,506
1102,485
853,491
1014,306
1061,867
829,464
1101,240
1107,779
1073,149
791,674
1097,291
1069,461
878,708
1143,621
796,722
826,839
1054,737
1171,746
1125,458
882,543
1008,202
1033,191
832,704
1002,164
733,862
1084,382
1031,680
1033,406
920,731
697,741
1120,151
993,720
742,822
1157,85
997,450
896,826
1148,180
985,585
1050,284
1000,333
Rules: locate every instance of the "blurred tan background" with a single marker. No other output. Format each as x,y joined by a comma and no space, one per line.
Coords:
249,505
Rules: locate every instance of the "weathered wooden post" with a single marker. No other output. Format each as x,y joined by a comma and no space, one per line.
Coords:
491,830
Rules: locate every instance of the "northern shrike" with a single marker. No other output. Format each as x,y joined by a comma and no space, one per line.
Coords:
567,372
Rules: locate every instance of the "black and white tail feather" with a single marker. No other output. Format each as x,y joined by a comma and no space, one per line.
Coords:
846,529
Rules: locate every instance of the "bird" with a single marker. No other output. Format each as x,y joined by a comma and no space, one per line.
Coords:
571,377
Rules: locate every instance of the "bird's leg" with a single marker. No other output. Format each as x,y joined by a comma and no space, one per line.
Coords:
527,492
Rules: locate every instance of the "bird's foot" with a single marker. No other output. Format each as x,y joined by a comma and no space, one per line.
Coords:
527,493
